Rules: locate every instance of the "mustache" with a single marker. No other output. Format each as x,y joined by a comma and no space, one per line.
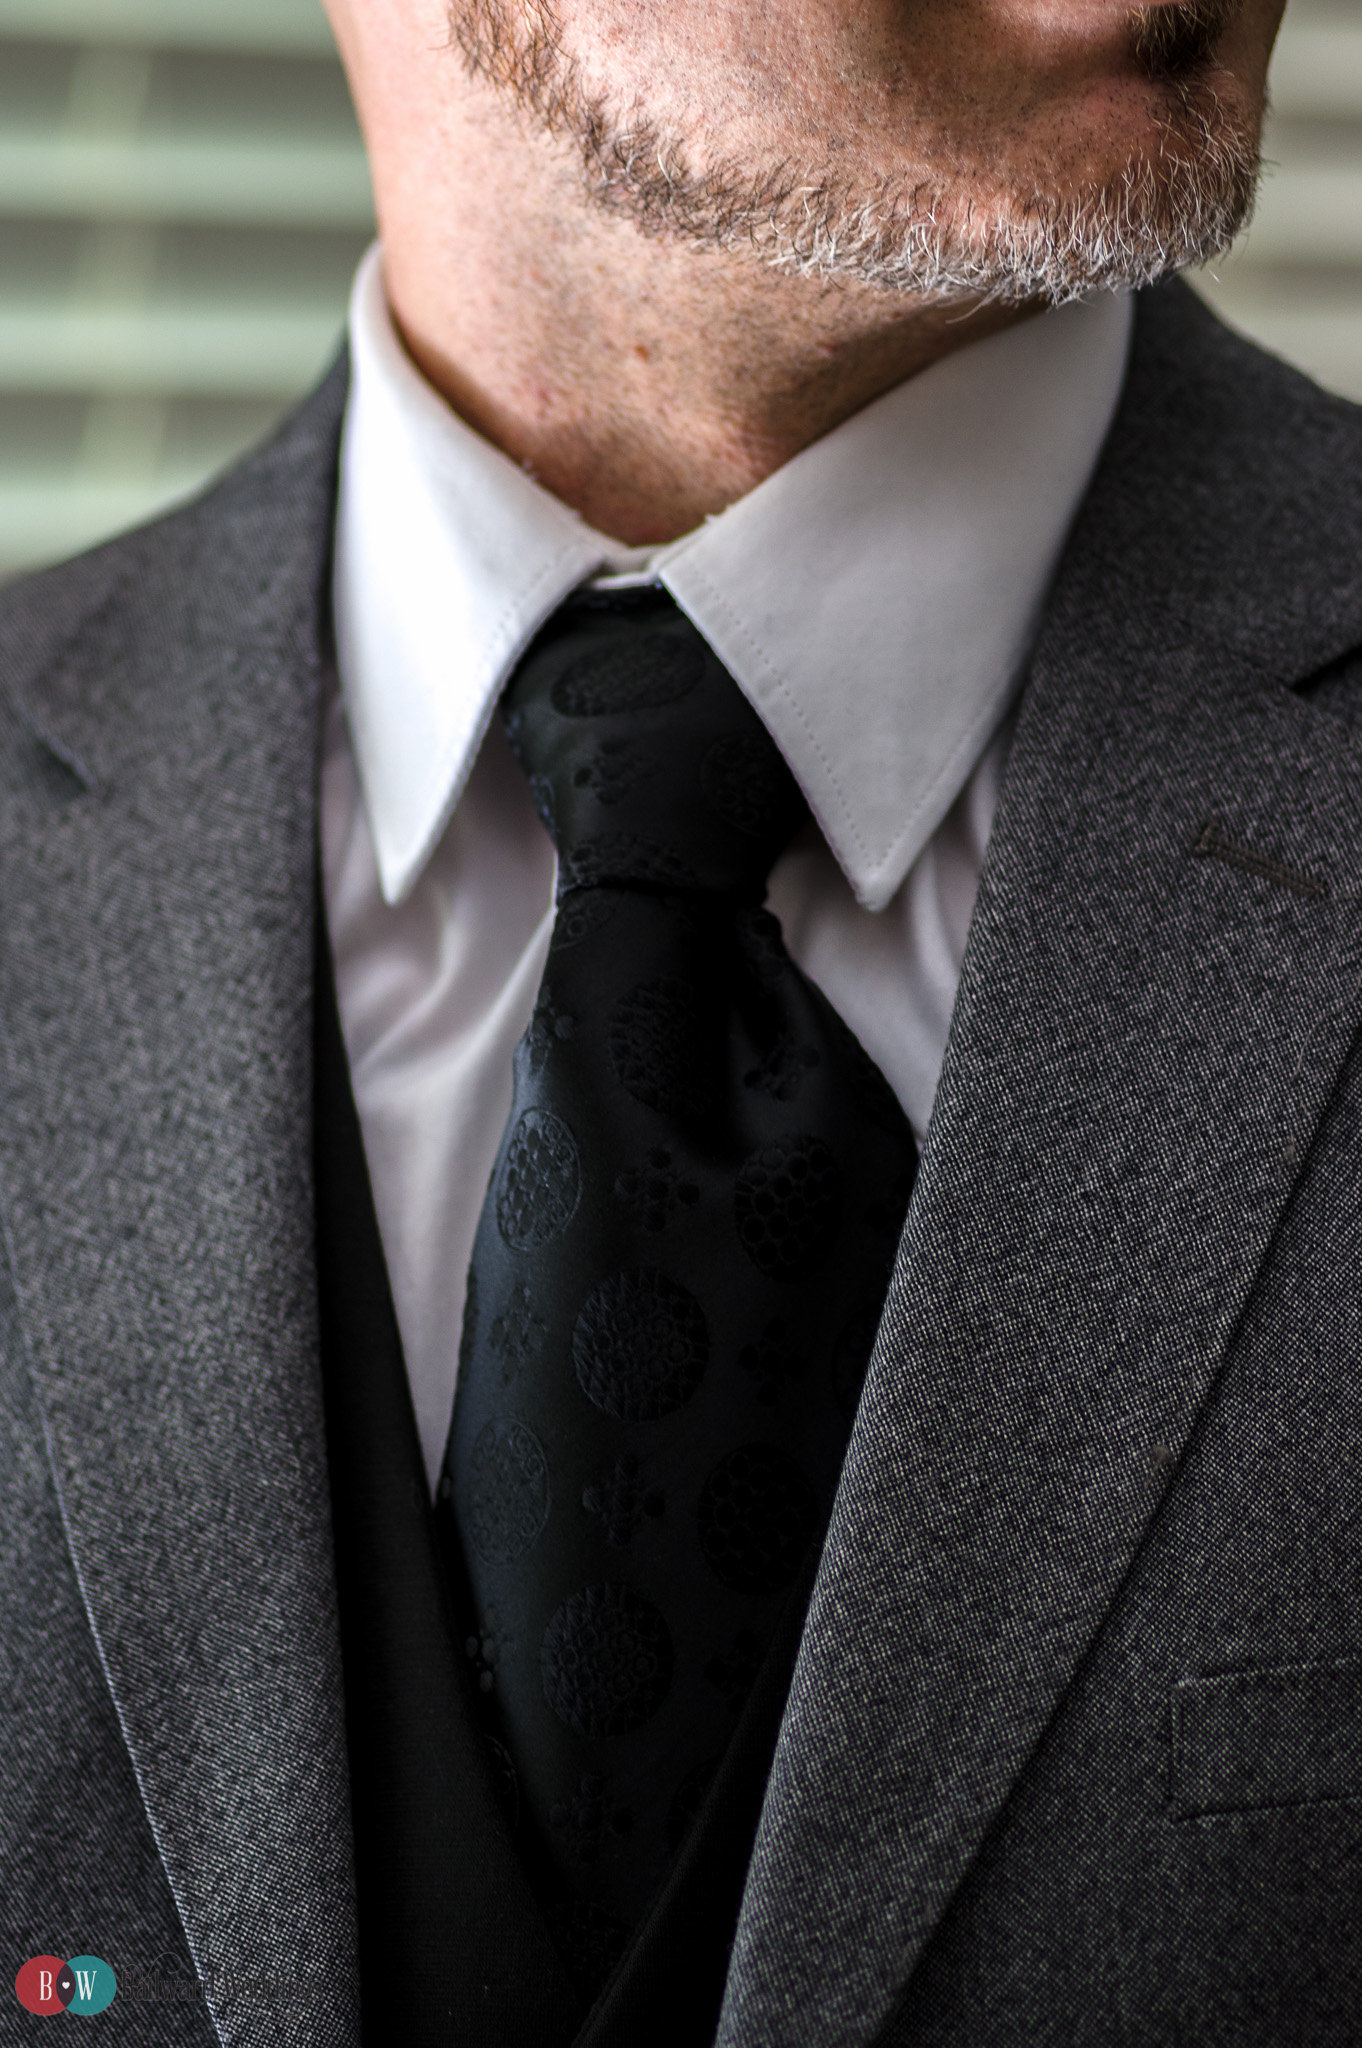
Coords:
1171,40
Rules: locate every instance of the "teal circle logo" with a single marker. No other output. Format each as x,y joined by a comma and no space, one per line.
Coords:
95,1984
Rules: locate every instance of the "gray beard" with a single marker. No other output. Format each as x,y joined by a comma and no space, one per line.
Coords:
904,234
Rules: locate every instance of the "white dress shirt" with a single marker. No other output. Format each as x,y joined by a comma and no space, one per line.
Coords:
876,599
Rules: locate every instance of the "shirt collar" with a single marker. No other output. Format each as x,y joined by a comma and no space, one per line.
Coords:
876,598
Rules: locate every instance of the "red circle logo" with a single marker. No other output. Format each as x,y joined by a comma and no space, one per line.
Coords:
45,1984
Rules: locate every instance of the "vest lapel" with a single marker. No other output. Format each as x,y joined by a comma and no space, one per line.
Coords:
155,992
1151,1017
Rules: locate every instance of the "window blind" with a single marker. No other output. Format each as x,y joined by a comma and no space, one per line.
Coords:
183,199
1294,280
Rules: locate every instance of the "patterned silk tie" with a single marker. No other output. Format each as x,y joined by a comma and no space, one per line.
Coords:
678,1271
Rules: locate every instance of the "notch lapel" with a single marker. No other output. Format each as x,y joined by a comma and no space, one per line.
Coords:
155,1119
1150,1020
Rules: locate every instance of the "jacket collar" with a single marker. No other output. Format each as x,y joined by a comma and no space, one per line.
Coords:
1151,1017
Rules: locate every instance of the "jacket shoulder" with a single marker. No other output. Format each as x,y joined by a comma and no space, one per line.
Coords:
1272,435
1229,493
209,570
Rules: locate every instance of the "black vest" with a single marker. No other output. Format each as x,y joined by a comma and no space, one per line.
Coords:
452,1946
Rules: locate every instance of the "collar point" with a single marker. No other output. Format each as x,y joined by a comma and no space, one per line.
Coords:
397,871
878,894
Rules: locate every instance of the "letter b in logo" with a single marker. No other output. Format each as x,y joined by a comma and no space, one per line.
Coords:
38,1985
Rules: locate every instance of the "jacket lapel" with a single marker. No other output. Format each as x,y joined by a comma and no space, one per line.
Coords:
157,878
1164,972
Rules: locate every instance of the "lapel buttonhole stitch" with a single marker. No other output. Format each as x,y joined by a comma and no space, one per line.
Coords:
1213,842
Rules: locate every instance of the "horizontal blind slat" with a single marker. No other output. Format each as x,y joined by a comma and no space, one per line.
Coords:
292,27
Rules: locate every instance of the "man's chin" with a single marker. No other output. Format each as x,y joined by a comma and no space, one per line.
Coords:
1178,197
1168,182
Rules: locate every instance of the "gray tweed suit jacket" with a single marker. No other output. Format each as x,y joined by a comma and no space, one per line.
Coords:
1074,1748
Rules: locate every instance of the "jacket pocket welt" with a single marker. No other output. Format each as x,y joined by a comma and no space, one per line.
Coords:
1285,1735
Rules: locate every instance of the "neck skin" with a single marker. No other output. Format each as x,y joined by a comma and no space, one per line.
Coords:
649,377
644,382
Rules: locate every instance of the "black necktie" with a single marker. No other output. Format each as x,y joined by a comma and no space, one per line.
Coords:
678,1270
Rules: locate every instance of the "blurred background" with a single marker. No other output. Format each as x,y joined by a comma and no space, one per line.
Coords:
183,200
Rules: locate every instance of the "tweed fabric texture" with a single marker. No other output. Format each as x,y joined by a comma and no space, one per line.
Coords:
1143,1045
1180,1861
1106,1461
678,1272
157,854
69,1799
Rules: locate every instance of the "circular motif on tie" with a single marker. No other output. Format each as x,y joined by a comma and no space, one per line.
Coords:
787,1204
757,1517
613,770
638,675
657,1043
606,1661
744,779
762,946
624,857
640,1345
580,914
509,1491
540,1181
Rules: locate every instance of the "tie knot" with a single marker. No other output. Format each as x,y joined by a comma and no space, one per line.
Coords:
647,763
